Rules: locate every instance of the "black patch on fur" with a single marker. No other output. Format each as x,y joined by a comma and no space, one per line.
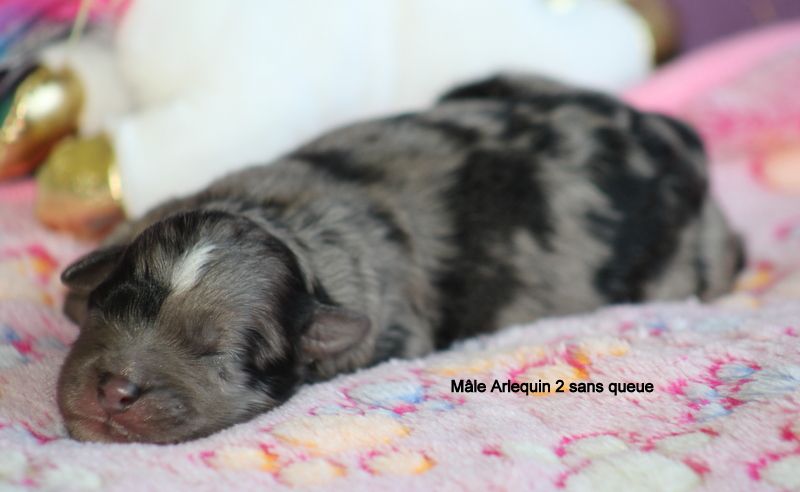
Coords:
540,138
341,166
321,294
600,104
516,124
330,237
295,303
391,343
270,208
276,371
701,274
394,232
129,299
493,88
683,181
614,143
741,255
126,294
688,137
278,375
511,89
494,194
649,213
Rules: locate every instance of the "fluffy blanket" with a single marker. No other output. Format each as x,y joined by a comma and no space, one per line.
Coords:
694,396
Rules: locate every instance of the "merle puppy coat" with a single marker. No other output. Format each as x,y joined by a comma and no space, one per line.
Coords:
512,199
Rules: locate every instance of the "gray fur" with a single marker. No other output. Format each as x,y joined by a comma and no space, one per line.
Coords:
387,239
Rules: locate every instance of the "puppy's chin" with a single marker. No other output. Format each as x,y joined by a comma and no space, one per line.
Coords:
86,429
108,431
127,428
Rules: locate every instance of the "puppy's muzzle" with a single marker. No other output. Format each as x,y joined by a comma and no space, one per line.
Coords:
116,394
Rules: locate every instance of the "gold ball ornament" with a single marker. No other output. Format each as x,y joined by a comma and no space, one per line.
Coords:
79,187
661,21
45,108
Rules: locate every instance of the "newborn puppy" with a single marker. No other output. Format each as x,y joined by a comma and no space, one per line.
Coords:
512,199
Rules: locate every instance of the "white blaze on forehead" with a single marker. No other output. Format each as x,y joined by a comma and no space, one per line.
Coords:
188,268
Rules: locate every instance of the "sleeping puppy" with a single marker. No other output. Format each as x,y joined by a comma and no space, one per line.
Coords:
512,199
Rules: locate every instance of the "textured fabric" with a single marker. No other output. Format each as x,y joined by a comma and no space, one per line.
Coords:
723,413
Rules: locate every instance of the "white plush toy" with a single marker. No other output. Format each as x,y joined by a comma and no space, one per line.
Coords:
192,89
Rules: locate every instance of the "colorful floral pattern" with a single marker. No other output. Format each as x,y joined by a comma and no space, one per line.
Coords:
724,412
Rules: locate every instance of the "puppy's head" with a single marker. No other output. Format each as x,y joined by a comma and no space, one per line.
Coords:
202,321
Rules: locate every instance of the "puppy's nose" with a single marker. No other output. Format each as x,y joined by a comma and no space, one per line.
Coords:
116,393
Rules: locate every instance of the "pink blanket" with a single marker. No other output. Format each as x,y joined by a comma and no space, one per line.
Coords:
695,397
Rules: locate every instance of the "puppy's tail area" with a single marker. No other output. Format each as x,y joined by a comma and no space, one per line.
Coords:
722,255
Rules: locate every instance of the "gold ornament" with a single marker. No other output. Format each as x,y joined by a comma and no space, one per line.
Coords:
46,107
661,20
79,187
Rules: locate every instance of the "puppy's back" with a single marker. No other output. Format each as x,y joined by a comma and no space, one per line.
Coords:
513,198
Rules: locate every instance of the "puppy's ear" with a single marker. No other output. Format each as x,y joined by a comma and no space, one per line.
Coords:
88,272
76,306
333,330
